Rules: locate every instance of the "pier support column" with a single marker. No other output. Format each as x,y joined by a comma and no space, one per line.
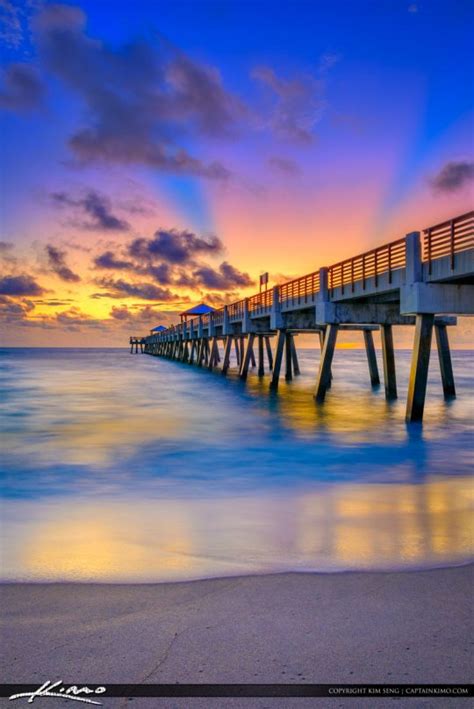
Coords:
261,364
213,356
193,352
324,374
445,363
269,353
246,358
371,358
237,350
288,357
388,354
294,357
419,367
280,346
252,358
227,353
322,334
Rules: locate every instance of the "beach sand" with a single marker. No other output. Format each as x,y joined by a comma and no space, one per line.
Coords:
397,627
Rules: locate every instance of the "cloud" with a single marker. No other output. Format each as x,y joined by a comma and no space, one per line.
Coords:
20,286
74,319
57,262
141,102
225,277
11,31
173,246
14,310
21,88
144,291
6,246
107,260
284,165
297,105
96,207
453,176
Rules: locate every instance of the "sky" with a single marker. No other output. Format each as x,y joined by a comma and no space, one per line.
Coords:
160,154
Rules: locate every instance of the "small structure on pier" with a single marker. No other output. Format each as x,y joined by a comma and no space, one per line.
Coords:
196,311
156,330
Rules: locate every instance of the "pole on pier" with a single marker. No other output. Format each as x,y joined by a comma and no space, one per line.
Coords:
288,357
280,346
131,347
445,363
371,358
324,374
294,357
388,355
261,364
269,353
227,353
247,357
419,367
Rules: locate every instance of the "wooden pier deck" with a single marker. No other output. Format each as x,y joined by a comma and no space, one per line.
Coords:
424,279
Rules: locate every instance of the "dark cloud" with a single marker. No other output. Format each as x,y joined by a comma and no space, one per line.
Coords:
57,262
5,246
19,286
21,88
284,165
96,208
145,291
225,277
453,176
177,247
141,101
107,260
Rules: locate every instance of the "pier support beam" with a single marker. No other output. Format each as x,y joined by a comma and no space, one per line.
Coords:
371,358
269,353
280,345
324,374
445,363
261,364
237,350
419,367
294,357
227,353
288,357
246,358
388,354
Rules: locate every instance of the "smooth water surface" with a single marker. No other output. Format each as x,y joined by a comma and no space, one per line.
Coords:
119,467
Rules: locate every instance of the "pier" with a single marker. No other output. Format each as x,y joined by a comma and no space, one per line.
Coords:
424,279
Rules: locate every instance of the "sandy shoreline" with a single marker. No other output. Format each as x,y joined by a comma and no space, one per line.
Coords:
407,627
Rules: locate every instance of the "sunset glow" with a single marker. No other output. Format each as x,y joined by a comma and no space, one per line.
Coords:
168,154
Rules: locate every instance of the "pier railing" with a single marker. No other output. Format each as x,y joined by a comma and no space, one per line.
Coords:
299,291
260,303
236,310
448,239
371,264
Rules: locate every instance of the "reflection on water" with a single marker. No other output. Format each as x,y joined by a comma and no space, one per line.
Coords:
121,468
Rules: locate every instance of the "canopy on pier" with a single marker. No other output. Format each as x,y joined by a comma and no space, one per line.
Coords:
201,309
158,328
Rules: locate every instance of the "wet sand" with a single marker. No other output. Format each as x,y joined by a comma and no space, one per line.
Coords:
397,627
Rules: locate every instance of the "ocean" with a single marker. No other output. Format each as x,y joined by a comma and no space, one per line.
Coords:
130,468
